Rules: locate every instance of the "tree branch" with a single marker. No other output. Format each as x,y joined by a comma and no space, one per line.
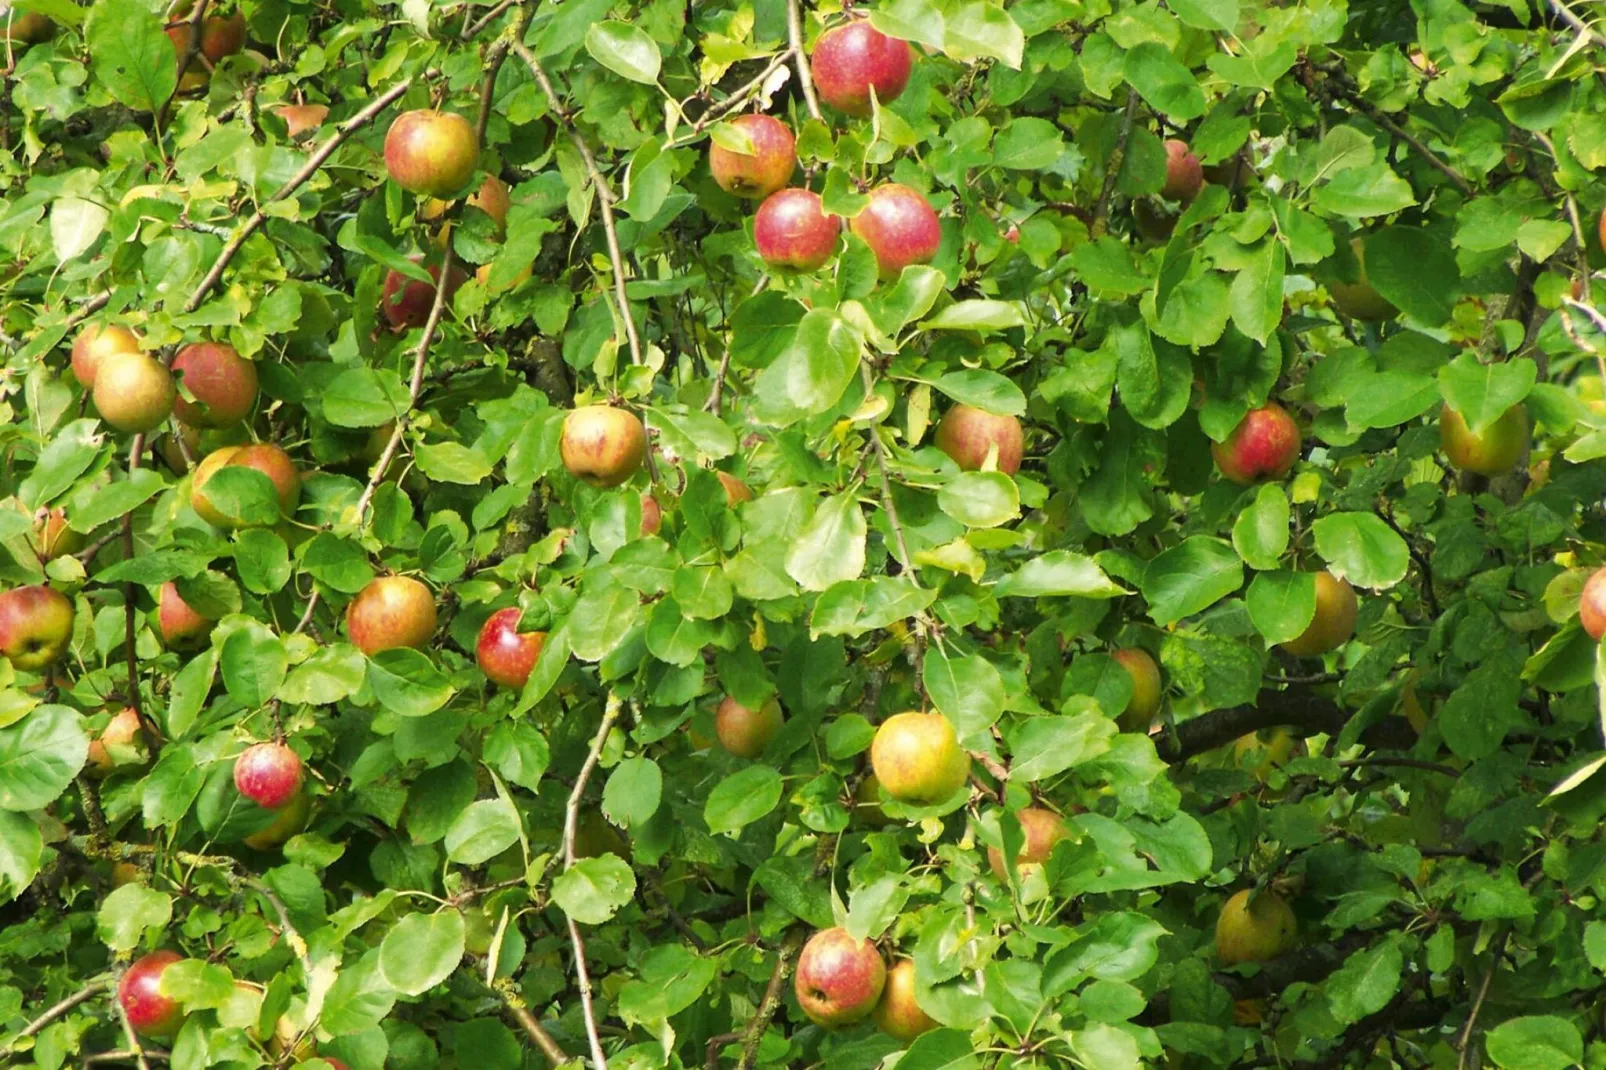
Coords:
1296,707
605,194
754,1034
571,817
1464,1039
805,77
527,1021
291,935
83,995
886,488
192,47
1566,15
1112,169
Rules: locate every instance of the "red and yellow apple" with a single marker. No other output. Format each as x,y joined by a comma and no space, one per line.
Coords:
391,612
917,758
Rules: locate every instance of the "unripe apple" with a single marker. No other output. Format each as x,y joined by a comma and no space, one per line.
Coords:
900,227
792,230
1592,605
849,61
967,434
1334,623
35,626
1268,754
652,515
133,392
602,445
1146,689
52,538
839,979
301,118
24,27
759,173
180,626
867,803
1359,300
121,731
506,655
1492,452
139,993
95,342
1184,175
407,302
745,732
291,819
1264,445
917,758
391,612
269,774
431,153
126,873
736,491
1042,829
1256,931
898,1015
223,383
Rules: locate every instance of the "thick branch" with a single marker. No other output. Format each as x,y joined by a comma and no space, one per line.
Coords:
771,1003
805,77
571,817
1296,707
1112,170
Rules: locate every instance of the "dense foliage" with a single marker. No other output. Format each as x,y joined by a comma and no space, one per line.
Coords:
1302,764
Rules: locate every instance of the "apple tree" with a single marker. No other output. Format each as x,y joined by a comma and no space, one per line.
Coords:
932,533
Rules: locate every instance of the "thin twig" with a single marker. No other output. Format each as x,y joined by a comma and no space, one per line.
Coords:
88,308
1575,22
83,995
715,1042
1404,763
1112,169
742,94
520,1011
192,47
493,62
133,1037
472,30
886,488
571,818
1377,116
605,194
754,1034
291,935
1496,950
805,77
314,162
124,1057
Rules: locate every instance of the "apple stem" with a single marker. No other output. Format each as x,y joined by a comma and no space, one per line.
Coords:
805,78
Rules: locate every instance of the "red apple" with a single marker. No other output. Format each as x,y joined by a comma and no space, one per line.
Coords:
223,383
652,515
917,758
759,173
839,979
93,343
745,732
139,994
291,819
264,457
492,198
1264,445
222,37
1494,451
968,434
1042,829
133,392
505,654
849,61
179,625
898,1015
196,75
35,626
121,731
602,445
431,153
791,230
52,538
1184,175
269,774
899,226
407,302
1334,622
1592,605
391,612
301,118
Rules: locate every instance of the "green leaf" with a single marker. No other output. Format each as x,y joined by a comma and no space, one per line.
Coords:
244,495
406,682
831,547
980,30
874,907
1189,577
742,798
452,462
130,910
364,397
39,756
941,1049
1028,143
1482,393
1043,747
482,831
191,686
1163,82
968,689
1538,1042
1415,270
262,560
812,372
1155,378
977,314
1059,572
92,506
130,54
594,889
253,660
979,500
68,455
1207,14
1282,604
1257,291
983,389
421,951
624,49
1365,192
22,848
1118,946
600,620
1260,533
633,791
1361,548
1366,982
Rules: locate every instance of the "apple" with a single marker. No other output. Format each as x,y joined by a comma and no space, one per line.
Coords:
849,61
95,342
1359,300
652,515
195,75
180,626
492,198
391,612
736,491
867,802
266,458
407,302
301,118
1264,445
757,174
223,383
431,153
1267,754
24,27
745,732
1492,452
35,626
1601,227
52,538
1042,829
133,392
793,231
602,445
1334,623
269,774
967,434
121,731
839,979
204,471
899,226
222,37
524,275
1184,175
1146,689
126,873
1255,928
898,1015
505,654
139,993
917,758
291,819
1592,605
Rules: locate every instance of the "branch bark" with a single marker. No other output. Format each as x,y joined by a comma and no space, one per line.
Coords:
192,48
1296,707
1565,14
805,77
527,1021
571,817
754,1034
1112,170
83,995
